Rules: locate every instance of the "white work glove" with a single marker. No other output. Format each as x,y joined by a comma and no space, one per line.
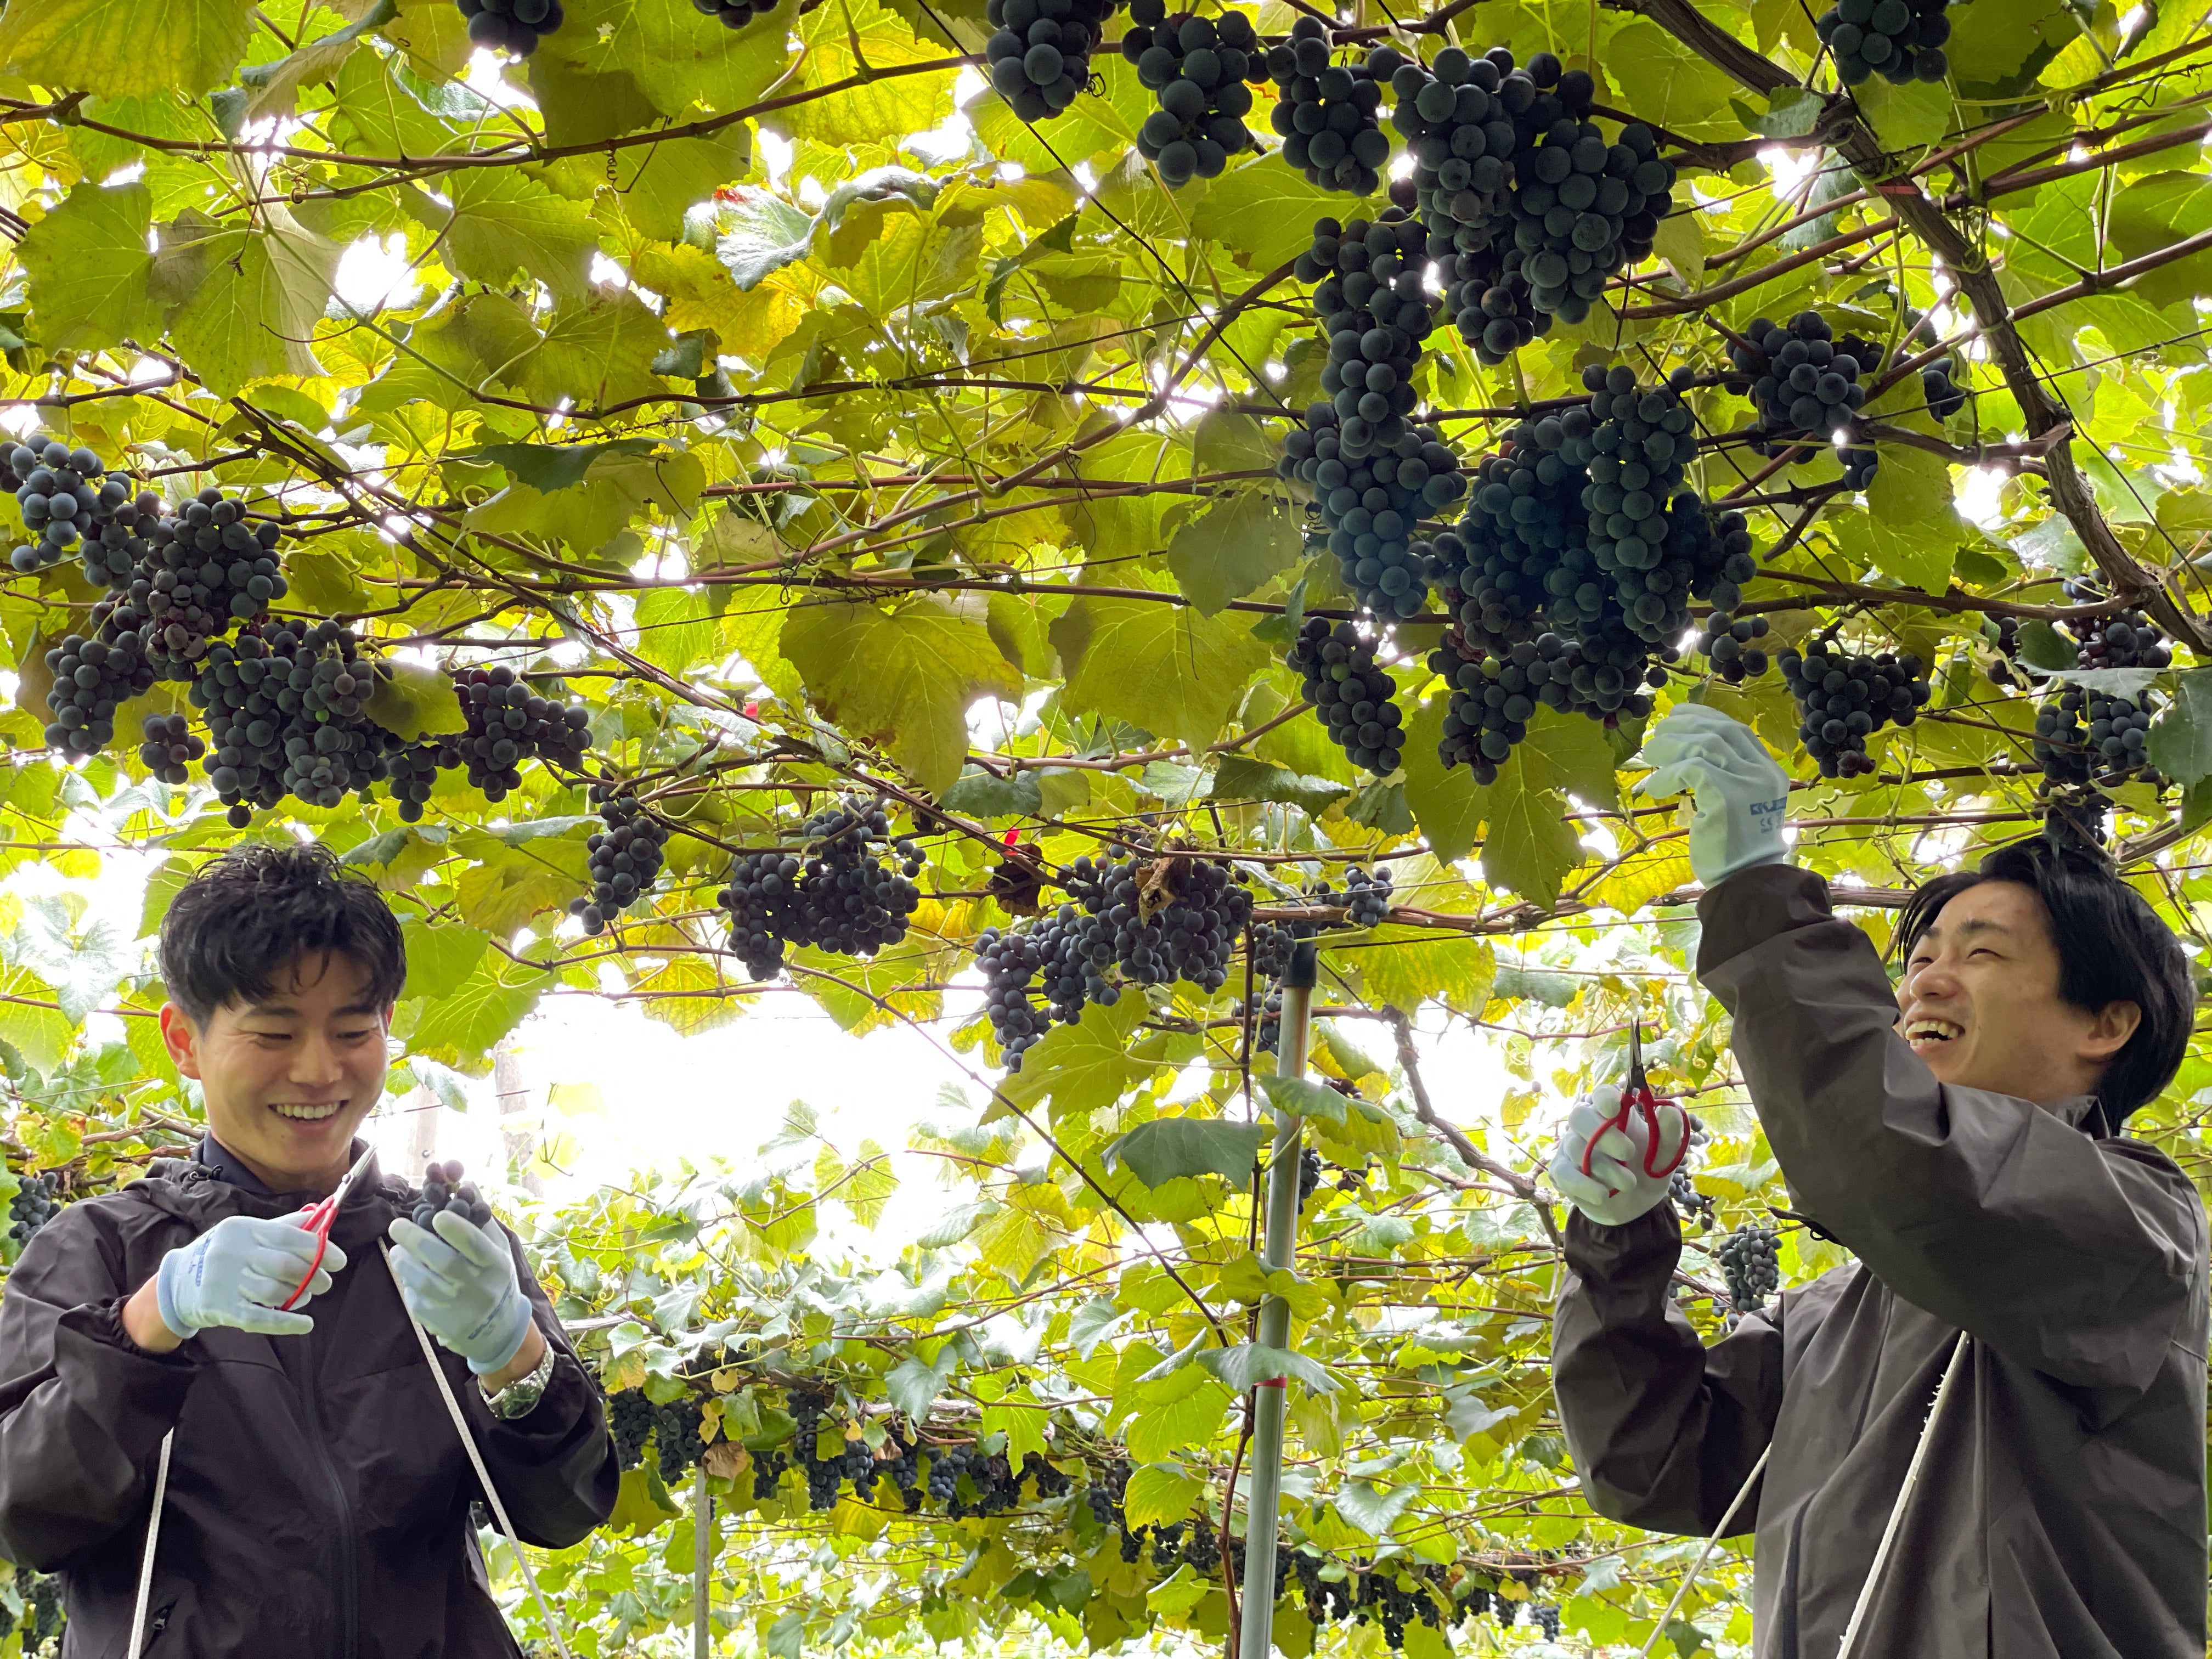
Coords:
1616,1190
460,1282
239,1273
1741,793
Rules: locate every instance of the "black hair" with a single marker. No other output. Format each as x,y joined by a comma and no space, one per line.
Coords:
2111,948
248,915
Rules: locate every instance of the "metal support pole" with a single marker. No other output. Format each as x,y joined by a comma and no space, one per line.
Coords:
703,1565
1256,1630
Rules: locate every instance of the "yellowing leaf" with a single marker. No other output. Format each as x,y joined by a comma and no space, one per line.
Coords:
120,49
1159,666
905,675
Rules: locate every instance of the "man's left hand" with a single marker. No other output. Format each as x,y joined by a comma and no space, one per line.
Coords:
460,1282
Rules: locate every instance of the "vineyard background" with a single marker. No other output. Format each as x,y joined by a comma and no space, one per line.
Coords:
773,396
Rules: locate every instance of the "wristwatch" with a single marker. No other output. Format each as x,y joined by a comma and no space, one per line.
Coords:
521,1397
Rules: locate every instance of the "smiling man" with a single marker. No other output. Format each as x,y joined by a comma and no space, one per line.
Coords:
1960,1134
318,1497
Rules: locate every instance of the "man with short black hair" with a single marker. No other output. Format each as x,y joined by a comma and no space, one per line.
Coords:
1960,1134
316,1496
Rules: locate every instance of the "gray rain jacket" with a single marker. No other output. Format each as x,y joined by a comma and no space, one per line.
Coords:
319,1498
2060,1510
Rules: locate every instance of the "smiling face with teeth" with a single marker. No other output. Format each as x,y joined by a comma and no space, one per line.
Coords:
1979,1001
289,1076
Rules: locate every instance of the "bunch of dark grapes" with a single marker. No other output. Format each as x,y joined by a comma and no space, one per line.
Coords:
767,1473
1901,40
625,858
2084,735
851,901
1939,385
443,1188
1729,644
1494,697
1461,126
1366,897
509,723
93,678
946,1464
1201,1548
761,900
631,1419
1806,387
1109,1481
1545,1617
902,1471
167,745
2125,639
201,571
116,539
1040,57
1383,1600
1646,533
410,772
31,1207
1582,209
677,1433
53,485
1198,912
1202,70
1326,1599
1750,1259
1522,550
1354,694
284,714
1009,962
1267,1036
1308,1174
1052,1481
1843,697
515,26
1373,475
1325,114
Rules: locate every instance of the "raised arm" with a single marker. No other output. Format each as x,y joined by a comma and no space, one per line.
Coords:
2072,1255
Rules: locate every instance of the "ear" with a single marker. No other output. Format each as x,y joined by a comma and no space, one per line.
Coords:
182,1039
2108,1030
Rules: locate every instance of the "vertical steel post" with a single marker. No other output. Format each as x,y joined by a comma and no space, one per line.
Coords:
1256,1630
703,1565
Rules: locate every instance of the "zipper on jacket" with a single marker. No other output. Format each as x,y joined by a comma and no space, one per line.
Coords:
349,1564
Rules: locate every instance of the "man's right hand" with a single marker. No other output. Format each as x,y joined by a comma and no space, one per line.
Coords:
1616,1190
237,1273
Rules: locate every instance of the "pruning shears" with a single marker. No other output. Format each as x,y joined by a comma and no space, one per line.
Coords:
320,1215
1637,1096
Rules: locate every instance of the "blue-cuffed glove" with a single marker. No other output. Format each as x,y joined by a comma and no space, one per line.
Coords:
1741,793
1616,1190
460,1282
237,1273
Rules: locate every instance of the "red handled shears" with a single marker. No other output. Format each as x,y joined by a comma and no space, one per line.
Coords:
319,1217
1636,1096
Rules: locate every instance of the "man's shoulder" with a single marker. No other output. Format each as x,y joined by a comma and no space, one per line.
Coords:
2148,1166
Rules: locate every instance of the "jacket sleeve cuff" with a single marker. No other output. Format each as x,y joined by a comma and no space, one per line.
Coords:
1647,1248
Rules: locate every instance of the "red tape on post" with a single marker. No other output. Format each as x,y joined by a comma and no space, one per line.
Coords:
1269,1383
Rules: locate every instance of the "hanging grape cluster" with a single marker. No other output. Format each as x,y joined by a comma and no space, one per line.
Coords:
284,716
1327,113
1202,70
167,745
1901,40
508,724
1570,576
631,1419
1353,693
54,487
1730,645
1374,474
31,1207
842,898
92,678
1806,387
1845,696
625,858
515,26
1750,1259
1039,57
678,1434
1582,209
1010,961
445,1188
